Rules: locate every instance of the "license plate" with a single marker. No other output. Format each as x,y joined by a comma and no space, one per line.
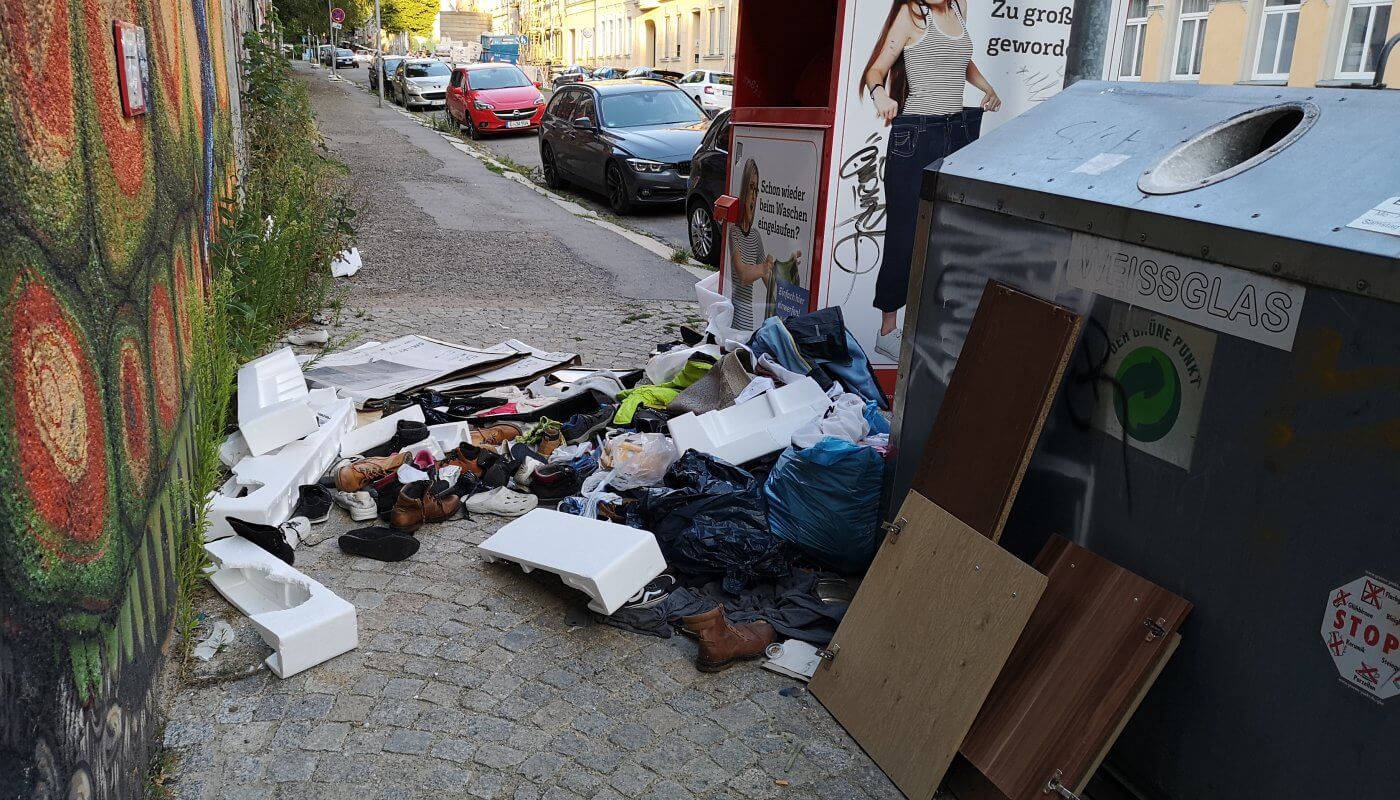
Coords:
518,123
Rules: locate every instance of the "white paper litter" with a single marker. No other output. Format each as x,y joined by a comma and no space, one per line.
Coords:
377,370
219,637
798,660
347,263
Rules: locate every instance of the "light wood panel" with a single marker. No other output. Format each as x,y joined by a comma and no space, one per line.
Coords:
922,643
1075,674
997,400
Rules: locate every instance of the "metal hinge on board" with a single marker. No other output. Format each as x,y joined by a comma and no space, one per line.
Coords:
1155,628
894,529
828,654
1053,786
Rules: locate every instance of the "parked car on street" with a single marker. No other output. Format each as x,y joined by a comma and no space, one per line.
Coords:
653,73
630,139
606,74
421,83
574,74
323,54
714,91
709,174
344,58
495,97
383,69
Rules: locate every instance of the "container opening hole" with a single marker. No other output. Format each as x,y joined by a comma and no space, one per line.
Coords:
1228,148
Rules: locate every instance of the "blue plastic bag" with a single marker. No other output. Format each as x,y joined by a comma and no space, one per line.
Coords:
825,499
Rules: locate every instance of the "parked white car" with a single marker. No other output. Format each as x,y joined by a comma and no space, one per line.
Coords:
714,91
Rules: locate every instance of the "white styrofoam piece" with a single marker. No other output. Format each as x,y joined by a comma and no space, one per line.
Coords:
752,429
234,449
269,482
304,622
430,444
450,434
274,405
607,562
378,432
347,263
796,659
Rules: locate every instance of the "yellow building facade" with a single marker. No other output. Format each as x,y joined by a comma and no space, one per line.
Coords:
1303,43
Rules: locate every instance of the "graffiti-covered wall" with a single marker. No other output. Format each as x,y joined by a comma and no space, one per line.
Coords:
104,226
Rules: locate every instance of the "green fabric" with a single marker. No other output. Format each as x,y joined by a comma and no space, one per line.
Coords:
630,400
689,374
538,432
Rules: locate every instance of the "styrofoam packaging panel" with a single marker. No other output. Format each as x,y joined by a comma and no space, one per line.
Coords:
605,561
753,428
274,404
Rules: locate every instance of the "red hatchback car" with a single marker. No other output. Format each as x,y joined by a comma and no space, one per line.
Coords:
493,97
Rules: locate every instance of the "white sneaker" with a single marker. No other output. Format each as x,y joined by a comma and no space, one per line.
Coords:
361,505
889,344
313,337
296,530
502,502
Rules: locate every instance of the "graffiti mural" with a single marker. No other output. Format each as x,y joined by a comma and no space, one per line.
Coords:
104,230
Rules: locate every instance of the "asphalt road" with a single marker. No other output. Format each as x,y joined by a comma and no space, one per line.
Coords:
666,223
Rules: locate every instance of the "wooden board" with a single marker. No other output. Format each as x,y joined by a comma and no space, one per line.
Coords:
997,400
967,783
935,618
1075,674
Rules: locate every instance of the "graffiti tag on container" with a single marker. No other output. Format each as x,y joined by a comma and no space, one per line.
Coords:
862,174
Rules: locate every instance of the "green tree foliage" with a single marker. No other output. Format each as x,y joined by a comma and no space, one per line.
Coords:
414,16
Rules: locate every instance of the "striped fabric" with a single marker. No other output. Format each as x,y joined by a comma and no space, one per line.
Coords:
750,249
937,69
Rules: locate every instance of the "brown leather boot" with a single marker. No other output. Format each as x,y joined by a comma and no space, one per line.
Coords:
471,459
722,643
417,504
496,435
357,475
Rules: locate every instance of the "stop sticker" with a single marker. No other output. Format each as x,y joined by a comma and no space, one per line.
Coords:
1361,629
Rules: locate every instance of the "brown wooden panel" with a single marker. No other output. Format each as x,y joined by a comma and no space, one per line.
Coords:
1075,674
1167,653
923,640
997,400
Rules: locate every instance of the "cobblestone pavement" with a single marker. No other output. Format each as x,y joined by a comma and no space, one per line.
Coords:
476,680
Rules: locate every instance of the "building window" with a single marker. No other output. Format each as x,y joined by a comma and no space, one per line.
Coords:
1190,39
680,37
1134,36
1366,26
1278,30
665,38
723,46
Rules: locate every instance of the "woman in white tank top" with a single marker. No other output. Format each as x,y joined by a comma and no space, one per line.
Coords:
915,77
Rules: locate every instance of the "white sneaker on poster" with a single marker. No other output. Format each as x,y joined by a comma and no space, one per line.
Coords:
889,344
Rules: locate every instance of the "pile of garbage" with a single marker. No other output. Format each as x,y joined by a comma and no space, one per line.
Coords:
728,488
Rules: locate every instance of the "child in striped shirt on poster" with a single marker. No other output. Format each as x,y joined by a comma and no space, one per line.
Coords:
749,262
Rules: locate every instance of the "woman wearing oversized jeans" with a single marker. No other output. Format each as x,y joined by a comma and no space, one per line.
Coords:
916,77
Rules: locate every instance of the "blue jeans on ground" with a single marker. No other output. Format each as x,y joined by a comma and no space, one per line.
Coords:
916,140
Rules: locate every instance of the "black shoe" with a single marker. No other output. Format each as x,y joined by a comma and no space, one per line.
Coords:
271,539
410,431
555,482
386,496
381,544
500,472
313,502
654,592
648,420
583,427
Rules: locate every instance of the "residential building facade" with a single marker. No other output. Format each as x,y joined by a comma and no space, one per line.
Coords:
679,35
1301,43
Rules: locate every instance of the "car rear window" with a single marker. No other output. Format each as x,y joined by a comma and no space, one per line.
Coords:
497,78
660,107
724,79
345,53
429,70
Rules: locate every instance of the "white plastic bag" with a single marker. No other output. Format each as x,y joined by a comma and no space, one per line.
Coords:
638,459
844,420
664,366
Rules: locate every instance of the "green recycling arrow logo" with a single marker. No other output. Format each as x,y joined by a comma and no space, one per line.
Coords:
1153,390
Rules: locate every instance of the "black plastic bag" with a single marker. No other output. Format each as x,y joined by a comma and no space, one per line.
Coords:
709,521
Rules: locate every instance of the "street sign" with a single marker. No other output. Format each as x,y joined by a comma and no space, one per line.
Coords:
1361,629
337,16
335,26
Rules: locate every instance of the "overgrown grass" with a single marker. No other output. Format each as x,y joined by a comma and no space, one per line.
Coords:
270,262
681,256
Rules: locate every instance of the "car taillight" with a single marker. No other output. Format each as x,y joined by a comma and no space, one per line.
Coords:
709,90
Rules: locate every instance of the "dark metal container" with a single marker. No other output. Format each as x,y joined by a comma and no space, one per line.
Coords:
1233,251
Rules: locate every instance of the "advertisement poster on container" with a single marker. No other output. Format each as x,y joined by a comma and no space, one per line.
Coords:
1361,629
922,79
1162,365
774,173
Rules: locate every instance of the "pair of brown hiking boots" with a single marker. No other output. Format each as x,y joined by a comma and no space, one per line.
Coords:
723,643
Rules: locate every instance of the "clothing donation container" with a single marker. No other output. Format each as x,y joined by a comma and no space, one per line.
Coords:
1229,424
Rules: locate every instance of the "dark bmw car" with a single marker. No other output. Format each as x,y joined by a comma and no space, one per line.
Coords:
630,139
606,74
709,171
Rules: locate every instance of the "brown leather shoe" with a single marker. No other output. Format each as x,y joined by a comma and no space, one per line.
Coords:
551,440
357,475
495,435
722,643
417,505
471,459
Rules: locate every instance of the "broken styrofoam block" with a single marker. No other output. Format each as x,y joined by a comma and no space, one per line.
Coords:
274,405
347,263
430,445
450,434
607,562
234,449
304,622
378,432
755,428
263,488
